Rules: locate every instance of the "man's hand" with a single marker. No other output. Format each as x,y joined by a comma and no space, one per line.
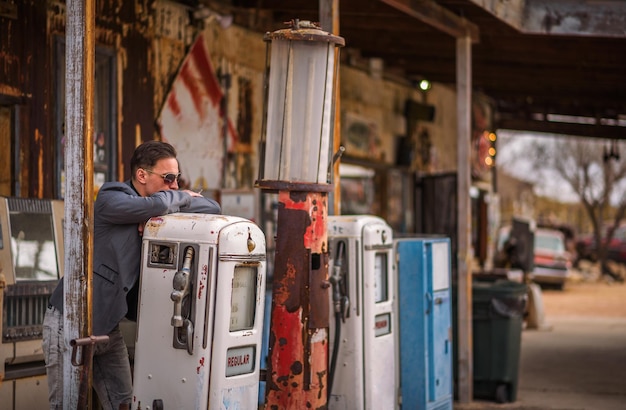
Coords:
192,193
140,228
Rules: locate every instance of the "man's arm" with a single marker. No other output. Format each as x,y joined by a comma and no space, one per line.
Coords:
118,203
200,204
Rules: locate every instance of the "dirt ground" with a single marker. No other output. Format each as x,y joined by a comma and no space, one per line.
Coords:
576,360
586,296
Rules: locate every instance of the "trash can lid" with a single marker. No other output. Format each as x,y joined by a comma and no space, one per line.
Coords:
501,288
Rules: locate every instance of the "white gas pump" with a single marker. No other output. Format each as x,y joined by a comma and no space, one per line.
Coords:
31,263
200,313
362,371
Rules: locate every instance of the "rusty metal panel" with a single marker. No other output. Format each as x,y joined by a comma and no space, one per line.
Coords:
292,258
24,83
8,10
298,363
12,46
126,28
6,159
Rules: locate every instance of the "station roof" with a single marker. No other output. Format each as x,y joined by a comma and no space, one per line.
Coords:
549,66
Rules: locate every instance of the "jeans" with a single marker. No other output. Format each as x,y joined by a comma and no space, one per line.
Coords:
112,378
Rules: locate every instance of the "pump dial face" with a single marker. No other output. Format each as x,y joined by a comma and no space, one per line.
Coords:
243,298
380,277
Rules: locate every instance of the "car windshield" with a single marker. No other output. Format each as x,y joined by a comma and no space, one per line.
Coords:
551,242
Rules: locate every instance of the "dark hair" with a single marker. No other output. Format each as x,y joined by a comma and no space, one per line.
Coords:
147,154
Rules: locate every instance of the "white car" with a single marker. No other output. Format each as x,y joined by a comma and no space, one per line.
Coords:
552,262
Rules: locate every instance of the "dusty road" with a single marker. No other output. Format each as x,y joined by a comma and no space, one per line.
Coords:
578,361
586,299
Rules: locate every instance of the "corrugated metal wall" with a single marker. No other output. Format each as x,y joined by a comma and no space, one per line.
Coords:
29,31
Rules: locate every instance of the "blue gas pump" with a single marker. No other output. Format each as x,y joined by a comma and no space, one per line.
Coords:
425,322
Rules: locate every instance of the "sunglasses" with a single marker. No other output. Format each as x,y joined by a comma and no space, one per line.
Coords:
168,178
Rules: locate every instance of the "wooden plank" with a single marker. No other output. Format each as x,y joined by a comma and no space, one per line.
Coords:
464,235
606,18
80,62
436,16
564,128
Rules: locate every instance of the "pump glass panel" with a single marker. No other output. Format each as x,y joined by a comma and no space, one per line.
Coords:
441,270
243,298
33,247
162,254
380,277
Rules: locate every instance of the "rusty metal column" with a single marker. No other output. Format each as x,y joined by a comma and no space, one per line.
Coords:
80,61
298,362
294,163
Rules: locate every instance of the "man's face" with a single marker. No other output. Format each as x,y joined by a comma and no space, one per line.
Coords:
152,180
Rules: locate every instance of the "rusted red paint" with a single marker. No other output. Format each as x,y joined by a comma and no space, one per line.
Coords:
200,365
314,203
288,341
298,362
284,287
203,279
201,289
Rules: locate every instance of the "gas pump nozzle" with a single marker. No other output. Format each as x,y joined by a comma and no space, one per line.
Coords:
335,158
181,287
340,300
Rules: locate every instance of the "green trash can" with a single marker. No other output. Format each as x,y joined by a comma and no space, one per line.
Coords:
498,315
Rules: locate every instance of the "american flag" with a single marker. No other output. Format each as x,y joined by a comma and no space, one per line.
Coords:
191,119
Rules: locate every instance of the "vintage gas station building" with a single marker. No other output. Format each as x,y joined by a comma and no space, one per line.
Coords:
423,88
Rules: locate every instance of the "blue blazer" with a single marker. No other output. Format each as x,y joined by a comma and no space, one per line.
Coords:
118,211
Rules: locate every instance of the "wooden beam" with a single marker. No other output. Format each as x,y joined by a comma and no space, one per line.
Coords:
563,128
329,19
465,363
79,194
605,18
438,17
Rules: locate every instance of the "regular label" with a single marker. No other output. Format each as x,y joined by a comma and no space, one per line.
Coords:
239,360
383,324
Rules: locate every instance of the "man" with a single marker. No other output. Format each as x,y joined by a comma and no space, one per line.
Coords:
120,212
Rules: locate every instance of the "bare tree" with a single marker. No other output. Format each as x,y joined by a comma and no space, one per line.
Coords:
597,175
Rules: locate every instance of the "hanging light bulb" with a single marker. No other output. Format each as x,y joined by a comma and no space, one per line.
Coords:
425,85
